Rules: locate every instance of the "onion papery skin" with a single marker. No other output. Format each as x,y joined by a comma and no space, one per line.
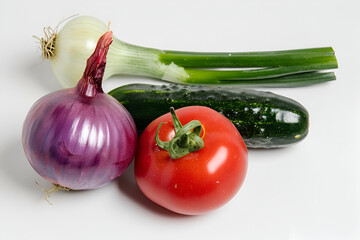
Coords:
76,142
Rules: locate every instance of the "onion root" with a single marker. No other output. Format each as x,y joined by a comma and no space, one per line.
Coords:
52,190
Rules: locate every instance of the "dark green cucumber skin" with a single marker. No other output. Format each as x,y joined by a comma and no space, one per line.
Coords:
264,119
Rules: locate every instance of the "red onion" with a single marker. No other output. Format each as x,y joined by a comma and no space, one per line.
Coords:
80,138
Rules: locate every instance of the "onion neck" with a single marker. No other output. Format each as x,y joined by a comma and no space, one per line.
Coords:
91,82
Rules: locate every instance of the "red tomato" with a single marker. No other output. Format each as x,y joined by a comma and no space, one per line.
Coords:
199,181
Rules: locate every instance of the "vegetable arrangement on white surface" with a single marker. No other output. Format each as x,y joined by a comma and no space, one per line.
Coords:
82,138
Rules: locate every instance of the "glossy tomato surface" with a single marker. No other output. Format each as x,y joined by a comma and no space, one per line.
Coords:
200,181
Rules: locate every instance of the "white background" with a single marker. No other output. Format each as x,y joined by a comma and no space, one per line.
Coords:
308,191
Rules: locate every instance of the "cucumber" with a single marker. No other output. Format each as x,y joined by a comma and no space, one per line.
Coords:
264,119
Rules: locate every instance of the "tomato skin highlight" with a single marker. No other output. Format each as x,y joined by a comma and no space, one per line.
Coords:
200,181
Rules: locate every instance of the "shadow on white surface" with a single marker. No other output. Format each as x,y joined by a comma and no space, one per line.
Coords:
276,151
15,168
36,71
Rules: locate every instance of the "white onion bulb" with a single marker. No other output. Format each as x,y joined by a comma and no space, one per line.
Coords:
76,41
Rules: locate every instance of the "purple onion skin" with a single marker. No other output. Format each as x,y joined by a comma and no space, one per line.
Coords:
79,138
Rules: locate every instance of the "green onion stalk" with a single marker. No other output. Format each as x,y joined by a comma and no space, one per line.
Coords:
68,49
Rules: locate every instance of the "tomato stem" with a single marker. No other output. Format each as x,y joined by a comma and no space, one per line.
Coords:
186,140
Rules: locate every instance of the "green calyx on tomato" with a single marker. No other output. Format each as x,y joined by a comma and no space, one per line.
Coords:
186,140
